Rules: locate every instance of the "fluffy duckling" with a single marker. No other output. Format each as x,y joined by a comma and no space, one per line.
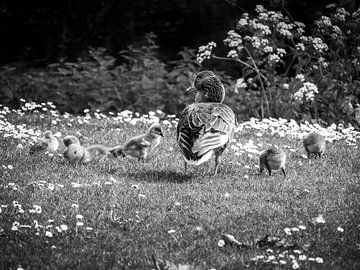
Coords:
206,126
314,144
272,159
48,143
140,146
76,153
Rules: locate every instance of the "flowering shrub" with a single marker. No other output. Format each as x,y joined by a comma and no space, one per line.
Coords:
339,82
272,49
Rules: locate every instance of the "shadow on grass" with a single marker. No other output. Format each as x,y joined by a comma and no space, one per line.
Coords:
160,176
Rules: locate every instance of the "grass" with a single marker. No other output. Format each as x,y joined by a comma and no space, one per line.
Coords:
118,213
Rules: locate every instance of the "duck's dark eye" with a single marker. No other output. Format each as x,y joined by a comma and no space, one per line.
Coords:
75,152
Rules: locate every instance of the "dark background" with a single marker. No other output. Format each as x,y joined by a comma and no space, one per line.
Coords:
36,33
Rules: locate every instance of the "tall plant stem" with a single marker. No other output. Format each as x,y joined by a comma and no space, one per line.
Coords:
261,81
239,61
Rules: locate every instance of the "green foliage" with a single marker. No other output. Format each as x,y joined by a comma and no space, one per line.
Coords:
339,82
141,83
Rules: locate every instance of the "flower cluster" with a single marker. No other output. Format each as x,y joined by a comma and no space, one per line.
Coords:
326,27
233,39
300,46
318,44
205,51
240,84
322,62
356,14
300,77
306,92
341,14
263,37
284,29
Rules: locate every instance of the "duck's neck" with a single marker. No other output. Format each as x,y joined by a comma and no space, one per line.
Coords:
210,89
217,96
152,135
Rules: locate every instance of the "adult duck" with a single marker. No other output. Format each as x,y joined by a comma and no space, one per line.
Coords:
206,126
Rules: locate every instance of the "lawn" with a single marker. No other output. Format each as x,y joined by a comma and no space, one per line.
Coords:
122,214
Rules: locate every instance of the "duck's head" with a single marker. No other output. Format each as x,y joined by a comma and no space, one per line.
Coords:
48,134
156,129
208,87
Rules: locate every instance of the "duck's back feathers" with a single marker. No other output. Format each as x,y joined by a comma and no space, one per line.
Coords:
204,127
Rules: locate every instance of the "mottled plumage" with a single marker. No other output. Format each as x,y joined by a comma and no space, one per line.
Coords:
140,146
314,144
206,126
272,159
48,143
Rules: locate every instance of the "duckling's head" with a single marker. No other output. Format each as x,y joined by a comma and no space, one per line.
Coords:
208,87
68,140
156,129
48,134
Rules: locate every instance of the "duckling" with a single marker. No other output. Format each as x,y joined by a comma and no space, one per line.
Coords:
314,144
48,143
206,126
272,159
140,146
76,153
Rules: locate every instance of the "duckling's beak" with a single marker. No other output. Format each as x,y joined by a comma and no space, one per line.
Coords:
191,89
161,134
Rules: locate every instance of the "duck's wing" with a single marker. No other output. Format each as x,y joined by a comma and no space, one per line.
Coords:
204,127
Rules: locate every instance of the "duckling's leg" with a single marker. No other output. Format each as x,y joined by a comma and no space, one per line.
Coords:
283,170
185,166
268,168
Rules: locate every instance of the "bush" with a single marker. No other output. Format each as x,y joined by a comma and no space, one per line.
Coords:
286,73
141,83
